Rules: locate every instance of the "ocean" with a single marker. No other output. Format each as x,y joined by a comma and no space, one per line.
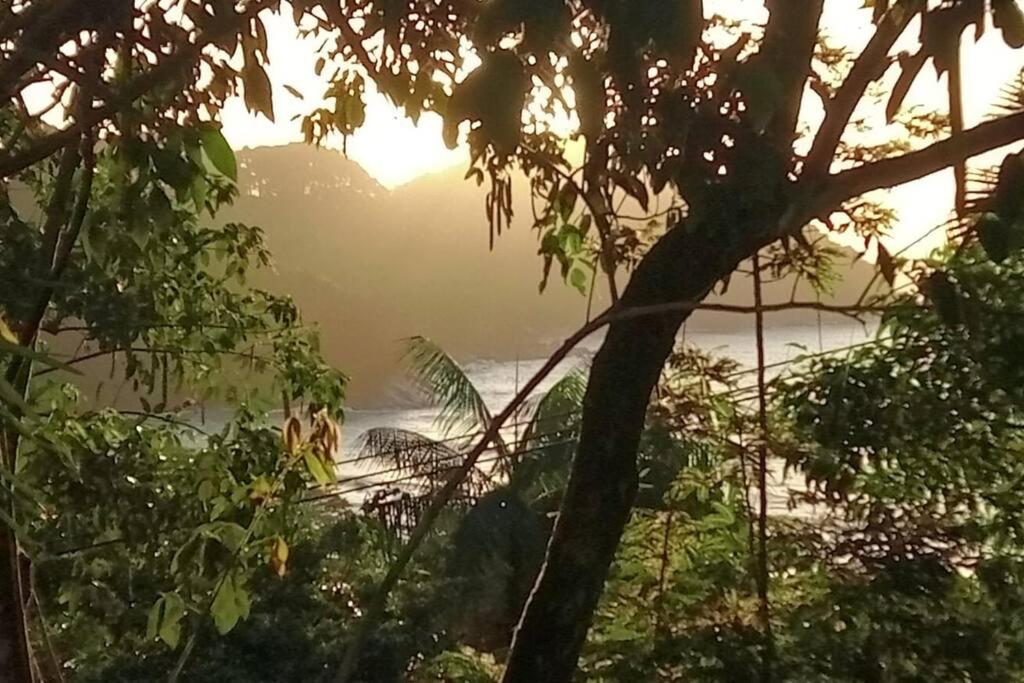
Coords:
499,381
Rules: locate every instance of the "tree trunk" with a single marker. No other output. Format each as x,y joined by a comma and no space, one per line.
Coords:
15,652
683,266
15,661
731,222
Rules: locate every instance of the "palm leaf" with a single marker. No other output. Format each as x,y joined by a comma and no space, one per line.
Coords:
558,411
1011,98
542,462
442,379
408,453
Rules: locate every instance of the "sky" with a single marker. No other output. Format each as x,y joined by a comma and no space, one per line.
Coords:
394,150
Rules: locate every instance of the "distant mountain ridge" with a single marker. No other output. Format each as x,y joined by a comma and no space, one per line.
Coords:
371,266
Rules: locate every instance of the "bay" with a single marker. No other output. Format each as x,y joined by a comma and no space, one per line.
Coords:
499,380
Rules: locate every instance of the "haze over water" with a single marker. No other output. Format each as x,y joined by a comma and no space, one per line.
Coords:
498,382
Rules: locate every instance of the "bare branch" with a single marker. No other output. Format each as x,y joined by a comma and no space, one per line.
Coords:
907,167
789,41
868,67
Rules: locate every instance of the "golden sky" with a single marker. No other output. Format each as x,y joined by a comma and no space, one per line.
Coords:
394,151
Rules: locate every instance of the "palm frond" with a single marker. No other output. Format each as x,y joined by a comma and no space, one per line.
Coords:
1011,97
411,454
541,466
557,412
982,183
408,452
445,382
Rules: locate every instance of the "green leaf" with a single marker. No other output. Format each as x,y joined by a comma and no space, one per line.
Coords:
199,188
943,293
316,468
224,608
187,553
230,535
994,236
618,632
206,490
219,152
170,623
243,603
94,242
139,232
578,279
585,224
566,200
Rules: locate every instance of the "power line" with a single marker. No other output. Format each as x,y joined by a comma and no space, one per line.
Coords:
453,439
332,494
456,455
421,475
383,455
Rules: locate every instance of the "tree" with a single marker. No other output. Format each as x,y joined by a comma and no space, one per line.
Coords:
123,162
671,96
546,427
163,298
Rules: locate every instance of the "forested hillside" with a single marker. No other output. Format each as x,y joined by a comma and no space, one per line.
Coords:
372,266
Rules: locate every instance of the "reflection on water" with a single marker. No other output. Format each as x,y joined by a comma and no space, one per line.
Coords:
499,381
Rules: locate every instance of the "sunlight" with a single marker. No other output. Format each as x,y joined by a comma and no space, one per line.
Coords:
395,151
669,384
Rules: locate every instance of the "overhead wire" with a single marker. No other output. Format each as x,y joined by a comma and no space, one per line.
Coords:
371,479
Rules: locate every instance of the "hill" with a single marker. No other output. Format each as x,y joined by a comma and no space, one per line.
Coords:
372,266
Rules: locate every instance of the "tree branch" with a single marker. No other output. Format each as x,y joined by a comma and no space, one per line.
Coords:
870,65
789,40
43,147
143,349
913,165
